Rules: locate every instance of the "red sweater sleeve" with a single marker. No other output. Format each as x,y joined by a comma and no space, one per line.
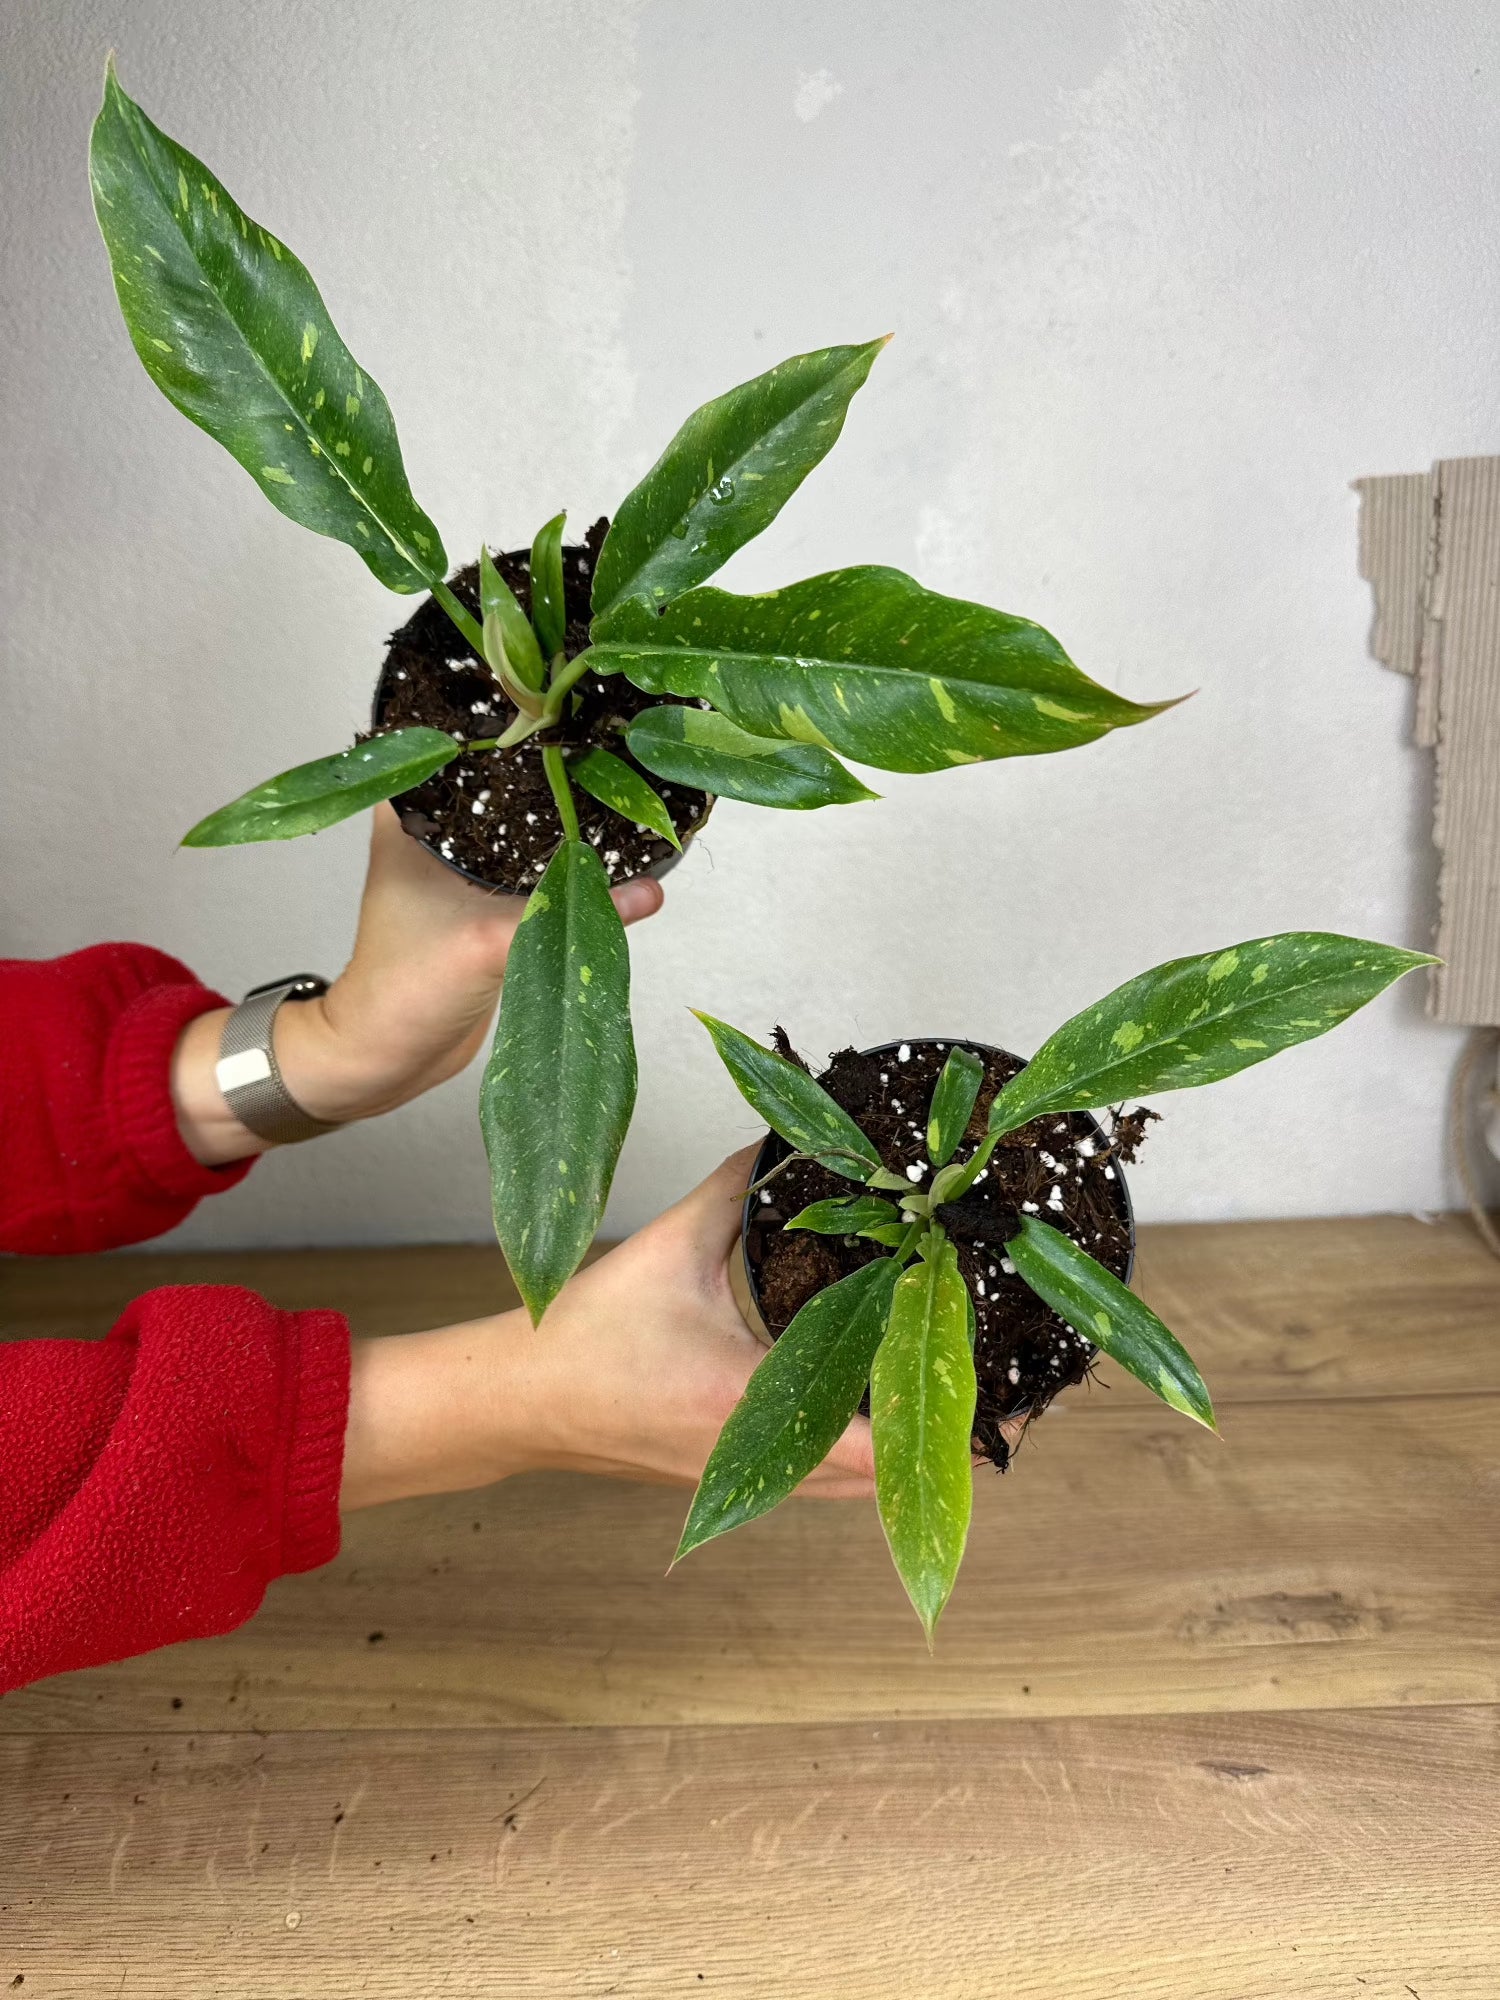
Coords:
90,1156
152,1484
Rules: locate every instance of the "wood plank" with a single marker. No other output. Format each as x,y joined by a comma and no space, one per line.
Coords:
1323,1553
1363,1305
1253,1858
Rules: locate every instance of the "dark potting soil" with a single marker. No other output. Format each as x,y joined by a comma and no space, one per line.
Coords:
492,814
1064,1169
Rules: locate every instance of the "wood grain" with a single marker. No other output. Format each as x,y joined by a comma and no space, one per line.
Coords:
1328,1552
1205,1858
1380,1305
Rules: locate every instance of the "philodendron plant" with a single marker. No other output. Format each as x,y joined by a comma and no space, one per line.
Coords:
902,1324
759,697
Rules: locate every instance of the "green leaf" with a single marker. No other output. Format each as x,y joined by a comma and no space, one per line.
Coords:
796,1405
891,1234
922,1396
509,641
952,1104
615,784
1096,1305
312,796
848,1218
549,609
697,746
793,1105
1195,1020
727,474
867,663
560,1084
232,330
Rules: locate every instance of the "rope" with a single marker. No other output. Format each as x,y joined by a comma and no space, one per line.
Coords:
1483,1042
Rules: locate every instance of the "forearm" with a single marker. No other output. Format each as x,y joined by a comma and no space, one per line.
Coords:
437,1412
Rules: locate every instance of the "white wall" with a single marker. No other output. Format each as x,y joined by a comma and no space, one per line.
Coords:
1165,277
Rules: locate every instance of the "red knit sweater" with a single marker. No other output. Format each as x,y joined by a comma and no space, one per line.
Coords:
153,1483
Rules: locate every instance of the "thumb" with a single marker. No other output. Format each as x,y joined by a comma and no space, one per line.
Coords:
709,1217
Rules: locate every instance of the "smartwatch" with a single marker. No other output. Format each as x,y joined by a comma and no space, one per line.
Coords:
246,1072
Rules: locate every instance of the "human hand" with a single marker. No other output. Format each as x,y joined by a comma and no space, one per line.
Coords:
632,1373
410,1009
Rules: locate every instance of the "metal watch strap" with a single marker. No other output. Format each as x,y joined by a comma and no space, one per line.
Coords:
246,1071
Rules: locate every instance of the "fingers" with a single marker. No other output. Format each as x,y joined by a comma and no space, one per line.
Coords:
638,899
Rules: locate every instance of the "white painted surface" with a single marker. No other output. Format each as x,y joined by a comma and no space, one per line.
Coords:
1165,278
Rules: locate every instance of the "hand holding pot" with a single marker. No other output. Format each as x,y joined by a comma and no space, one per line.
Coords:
632,1373
411,1009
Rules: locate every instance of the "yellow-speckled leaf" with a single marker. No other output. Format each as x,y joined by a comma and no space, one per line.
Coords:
952,1104
1095,1304
698,746
232,330
559,1087
727,474
922,1396
1195,1020
867,663
794,1105
312,796
796,1405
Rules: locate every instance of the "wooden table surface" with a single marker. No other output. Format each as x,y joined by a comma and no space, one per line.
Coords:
1208,1719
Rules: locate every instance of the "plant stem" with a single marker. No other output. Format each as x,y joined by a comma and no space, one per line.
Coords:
564,678
462,619
555,766
910,1240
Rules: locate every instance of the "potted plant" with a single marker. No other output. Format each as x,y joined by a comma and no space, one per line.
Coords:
984,1259
558,718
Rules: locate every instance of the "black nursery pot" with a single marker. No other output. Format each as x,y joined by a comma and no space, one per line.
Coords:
491,817
1024,1353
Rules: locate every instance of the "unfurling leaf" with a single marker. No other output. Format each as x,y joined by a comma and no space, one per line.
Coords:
560,1084
849,1218
796,1405
727,474
549,611
232,330
922,1397
615,784
867,663
1095,1304
509,642
312,796
793,1105
1195,1020
952,1104
697,746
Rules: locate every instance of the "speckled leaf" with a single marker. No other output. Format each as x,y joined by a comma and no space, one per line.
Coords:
793,1104
867,663
312,796
922,1396
848,1218
697,746
952,1104
1195,1020
232,330
796,1405
559,1087
1095,1304
727,474
615,784
549,613
509,642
